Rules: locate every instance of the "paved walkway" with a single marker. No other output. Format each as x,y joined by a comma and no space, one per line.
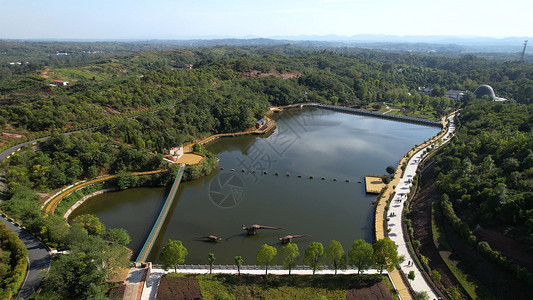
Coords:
133,290
150,290
395,214
38,256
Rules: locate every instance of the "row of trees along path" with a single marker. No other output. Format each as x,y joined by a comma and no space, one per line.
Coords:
362,257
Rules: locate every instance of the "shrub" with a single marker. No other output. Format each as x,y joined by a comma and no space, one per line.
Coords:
17,260
435,275
411,275
417,244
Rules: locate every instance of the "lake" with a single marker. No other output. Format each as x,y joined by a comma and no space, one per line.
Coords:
307,142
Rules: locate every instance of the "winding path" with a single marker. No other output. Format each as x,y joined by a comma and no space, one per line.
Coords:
396,234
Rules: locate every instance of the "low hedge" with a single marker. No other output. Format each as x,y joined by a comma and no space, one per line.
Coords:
16,263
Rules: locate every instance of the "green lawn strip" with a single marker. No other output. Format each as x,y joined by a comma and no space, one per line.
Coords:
66,203
280,287
439,238
418,114
274,287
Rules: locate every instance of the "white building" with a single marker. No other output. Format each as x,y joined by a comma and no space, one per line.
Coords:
176,152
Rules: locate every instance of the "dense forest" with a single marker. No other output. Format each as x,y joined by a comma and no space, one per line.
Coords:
124,107
488,170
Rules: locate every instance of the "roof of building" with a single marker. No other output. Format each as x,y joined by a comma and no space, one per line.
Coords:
455,92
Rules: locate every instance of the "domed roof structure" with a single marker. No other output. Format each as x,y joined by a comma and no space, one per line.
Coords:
485,90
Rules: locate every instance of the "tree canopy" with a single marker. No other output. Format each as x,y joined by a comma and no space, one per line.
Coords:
267,256
173,254
385,254
361,255
289,256
335,255
313,255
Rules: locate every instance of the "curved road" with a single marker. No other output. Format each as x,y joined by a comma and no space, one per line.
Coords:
39,257
15,148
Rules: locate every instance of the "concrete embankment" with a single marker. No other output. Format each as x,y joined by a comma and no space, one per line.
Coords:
377,114
85,198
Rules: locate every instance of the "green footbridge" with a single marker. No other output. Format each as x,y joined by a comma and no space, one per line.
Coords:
143,255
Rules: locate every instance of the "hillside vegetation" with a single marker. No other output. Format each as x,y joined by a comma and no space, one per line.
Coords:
135,105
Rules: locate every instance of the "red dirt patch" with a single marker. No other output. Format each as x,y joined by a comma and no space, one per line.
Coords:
44,74
365,290
290,75
8,136
257,74
111,111
178,288
4,137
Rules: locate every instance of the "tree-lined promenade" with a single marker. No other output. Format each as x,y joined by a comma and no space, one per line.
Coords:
380,257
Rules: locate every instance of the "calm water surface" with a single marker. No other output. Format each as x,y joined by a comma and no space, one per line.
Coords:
306,142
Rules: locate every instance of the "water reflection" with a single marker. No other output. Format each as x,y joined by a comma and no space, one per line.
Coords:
306,142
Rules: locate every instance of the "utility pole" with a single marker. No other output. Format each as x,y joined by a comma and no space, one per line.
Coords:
523,51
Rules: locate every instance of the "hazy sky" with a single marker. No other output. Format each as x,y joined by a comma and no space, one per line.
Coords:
136,19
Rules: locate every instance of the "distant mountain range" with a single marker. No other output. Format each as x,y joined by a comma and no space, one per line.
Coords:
415,43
